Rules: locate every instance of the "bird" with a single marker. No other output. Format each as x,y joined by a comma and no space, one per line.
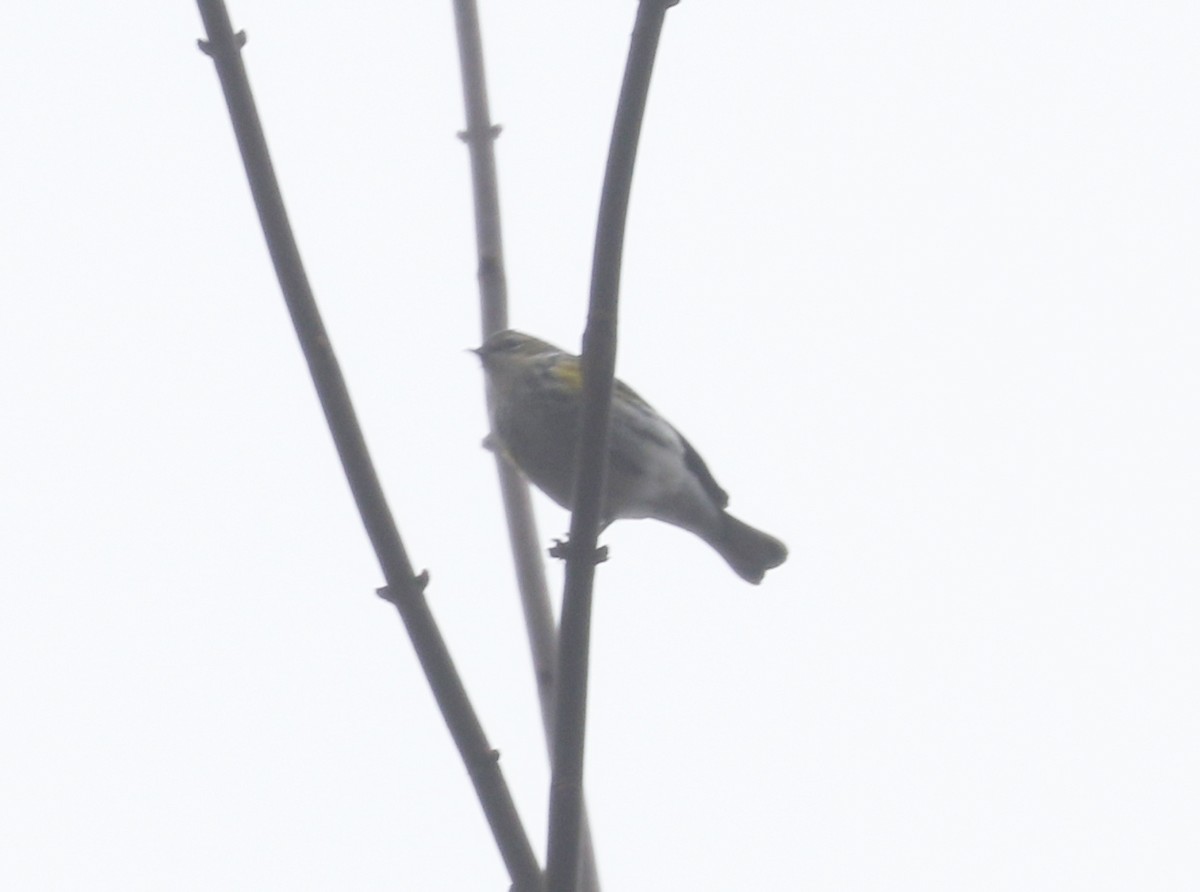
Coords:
535,398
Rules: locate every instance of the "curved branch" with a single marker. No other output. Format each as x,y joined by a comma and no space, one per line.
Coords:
598,364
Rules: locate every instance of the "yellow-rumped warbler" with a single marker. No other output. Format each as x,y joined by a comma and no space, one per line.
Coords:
652,470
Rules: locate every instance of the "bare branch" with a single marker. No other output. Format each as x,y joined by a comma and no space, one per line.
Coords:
598,364
404,589
524,542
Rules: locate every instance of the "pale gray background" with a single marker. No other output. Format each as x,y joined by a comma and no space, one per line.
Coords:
920,281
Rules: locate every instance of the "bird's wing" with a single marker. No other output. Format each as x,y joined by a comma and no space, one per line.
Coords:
647,423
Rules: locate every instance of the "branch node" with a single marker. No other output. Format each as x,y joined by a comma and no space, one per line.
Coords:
207,48
419,583
469,136
484,762
562,549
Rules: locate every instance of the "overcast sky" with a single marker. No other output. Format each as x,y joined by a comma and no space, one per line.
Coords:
919,282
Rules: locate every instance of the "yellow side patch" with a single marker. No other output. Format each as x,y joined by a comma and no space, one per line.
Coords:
568,372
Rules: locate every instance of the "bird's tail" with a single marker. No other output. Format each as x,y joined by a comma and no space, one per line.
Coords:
750,552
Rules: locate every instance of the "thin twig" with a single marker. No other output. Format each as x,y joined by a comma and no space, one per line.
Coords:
404,589
598,366
524,542
480,137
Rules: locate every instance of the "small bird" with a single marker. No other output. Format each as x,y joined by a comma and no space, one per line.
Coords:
536,395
